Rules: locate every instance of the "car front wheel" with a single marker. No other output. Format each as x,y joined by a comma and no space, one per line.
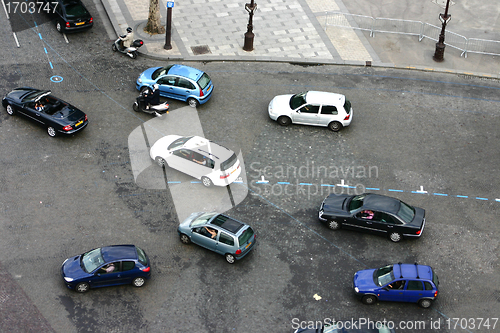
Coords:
335,126
395,237
139,282
185,239
230,258
334,225
369,299
82,287
425,303
284,121
10,110
206,181
192,102
51,131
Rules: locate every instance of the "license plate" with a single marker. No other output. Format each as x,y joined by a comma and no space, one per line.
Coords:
246,247
79,123
79,23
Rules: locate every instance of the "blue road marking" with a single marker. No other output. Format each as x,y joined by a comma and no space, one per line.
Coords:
373,188
56,78
392,190
305,184
443,194
284,183
172,182
328,185
479,198
462,196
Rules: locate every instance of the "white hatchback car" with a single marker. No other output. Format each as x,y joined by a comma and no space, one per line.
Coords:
198,157
315,108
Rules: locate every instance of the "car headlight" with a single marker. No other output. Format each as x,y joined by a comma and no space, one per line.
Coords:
356,289
68,279
139,80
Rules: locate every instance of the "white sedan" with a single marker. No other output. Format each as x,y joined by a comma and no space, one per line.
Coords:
315,108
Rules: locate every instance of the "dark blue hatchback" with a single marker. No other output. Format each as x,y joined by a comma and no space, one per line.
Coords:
106,266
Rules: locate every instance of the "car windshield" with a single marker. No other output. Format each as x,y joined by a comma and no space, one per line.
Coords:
383,275
356,202
298,100
406,212
179,142
34,95
435,278
160,71
142,256
202,219
227,164
75,10
347,106
204,81
245,236
91,260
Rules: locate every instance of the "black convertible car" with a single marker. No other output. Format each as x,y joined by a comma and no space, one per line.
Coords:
53,113
373,213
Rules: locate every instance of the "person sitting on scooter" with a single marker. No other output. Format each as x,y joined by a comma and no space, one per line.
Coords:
153,98
127,39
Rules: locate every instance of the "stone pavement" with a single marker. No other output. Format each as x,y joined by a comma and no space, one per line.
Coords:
294,31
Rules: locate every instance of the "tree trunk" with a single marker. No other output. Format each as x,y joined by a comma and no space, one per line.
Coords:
154,25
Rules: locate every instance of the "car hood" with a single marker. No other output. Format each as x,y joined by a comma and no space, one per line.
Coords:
281,104
161,145
71,268
364,280
17,93
335,203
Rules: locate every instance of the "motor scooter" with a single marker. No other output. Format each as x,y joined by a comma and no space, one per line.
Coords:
130,51
141,105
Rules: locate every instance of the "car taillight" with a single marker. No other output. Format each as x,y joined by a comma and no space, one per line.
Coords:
67,128
67,25
201,93
91,20
86,118
238,251
147,269
418,232
347,117
225,176
435,294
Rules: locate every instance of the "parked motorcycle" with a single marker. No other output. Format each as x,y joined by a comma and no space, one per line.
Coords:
130,51
141,105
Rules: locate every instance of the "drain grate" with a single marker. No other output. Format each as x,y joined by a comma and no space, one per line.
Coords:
200,49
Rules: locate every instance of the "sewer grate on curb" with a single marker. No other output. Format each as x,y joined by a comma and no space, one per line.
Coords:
200,49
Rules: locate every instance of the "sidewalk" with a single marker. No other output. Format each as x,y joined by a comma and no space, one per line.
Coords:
294,31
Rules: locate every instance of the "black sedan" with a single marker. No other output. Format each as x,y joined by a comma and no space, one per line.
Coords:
373,213
70,15
53,113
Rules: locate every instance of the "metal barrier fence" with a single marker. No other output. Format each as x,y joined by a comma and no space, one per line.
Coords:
414,28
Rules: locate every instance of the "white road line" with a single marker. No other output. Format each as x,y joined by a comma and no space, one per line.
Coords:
4,8
66,38
15,37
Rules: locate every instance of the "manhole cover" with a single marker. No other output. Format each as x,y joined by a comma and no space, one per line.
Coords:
200,49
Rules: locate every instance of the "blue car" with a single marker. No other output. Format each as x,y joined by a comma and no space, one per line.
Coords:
106,266
180,82
219,233
398,283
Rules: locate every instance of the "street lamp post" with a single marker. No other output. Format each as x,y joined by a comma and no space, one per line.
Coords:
439,53
249,35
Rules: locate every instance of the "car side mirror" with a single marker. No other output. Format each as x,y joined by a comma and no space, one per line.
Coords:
298,111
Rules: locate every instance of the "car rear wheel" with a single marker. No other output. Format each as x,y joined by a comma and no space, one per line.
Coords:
206,181
335,126
139,282
59,27
369,299
230,258
334,225
395,237
82,287
10,110
51,131
425,303
161,162
192,102
185,239
284,121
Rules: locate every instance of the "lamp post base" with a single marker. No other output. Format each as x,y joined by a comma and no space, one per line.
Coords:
439,53
248,46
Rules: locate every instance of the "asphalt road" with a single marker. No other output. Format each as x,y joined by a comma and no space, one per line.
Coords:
411,131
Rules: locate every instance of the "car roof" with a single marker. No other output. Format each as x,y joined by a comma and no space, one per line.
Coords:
227,223
412,271
208,148
381,203
321,97
118,252
185,71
